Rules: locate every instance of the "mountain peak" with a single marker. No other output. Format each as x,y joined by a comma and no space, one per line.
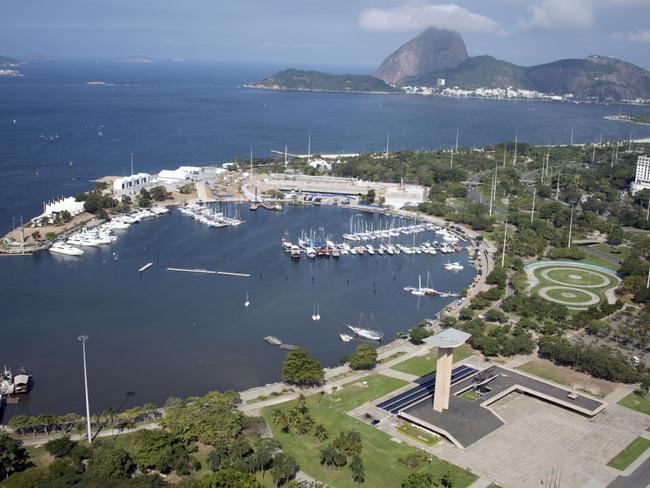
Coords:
431,50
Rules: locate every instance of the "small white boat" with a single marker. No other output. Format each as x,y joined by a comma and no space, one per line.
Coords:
313,315
455,266
346,337
65,249
247,302
317,312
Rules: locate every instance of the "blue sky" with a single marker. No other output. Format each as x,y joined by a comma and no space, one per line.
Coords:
355,33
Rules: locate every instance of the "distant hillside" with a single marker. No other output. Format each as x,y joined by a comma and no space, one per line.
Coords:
476,72
7,61
595,76
294,79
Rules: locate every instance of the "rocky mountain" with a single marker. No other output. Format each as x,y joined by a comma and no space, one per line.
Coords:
294,79
594,76
432,50
436,53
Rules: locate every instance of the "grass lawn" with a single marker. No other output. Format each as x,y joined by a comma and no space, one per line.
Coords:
637,402
469,395
423,365
391,357
380,454
418,434
630,454
39,455
543,368
600,262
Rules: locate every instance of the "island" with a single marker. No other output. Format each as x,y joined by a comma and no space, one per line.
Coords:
299,80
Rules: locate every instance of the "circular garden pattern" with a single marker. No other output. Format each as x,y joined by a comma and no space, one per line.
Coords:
575,285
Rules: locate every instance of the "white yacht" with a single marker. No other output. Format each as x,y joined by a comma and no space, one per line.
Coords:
66,249
455,266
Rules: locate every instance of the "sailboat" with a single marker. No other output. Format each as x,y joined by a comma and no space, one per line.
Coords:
362,330
313,315
317,312
247,302
419,291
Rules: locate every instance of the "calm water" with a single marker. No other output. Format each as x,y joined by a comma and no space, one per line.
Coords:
164,333
174,113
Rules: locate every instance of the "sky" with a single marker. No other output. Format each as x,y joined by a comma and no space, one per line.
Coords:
356,34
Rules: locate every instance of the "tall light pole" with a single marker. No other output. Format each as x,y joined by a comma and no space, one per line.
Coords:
505,236
83,339
532,212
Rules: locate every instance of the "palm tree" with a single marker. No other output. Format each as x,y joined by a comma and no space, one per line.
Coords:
281,420
327,455
356,465
321,432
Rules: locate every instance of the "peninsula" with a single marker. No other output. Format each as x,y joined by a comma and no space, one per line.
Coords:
437,60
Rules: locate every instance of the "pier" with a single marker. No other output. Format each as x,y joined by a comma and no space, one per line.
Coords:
208,271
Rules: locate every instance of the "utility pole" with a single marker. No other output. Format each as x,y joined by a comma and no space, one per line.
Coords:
505,152
572,127
557,191
451,164
629,143
83,339
647,283
505,235
131,164
612,163
600,141
457,132
593,155
514,159
647,213
570,227
387,143
532,212
285,156
309,147
493,190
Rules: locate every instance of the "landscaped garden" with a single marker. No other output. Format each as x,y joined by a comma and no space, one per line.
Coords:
380,454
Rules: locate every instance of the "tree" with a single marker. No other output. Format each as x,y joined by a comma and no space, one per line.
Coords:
615,236
281,420
369,198
109,463
13,457
228,478
327,455
418,334
284,468
358,471
365,357
301,369
159,193
144,199
160,450
60,447
497,277
212,419
320,431
419,480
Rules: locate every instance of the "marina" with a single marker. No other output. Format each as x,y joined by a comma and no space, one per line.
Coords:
184,335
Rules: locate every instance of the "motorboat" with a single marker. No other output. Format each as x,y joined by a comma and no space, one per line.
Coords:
455,266
65,249
346,337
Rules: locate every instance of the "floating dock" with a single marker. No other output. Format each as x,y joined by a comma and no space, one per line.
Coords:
145,267
274,341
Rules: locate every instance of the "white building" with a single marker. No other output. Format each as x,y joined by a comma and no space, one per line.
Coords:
642,180
440,82
179,175
405,196
67,204
131,185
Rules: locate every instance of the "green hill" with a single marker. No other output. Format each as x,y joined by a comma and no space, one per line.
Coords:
294,79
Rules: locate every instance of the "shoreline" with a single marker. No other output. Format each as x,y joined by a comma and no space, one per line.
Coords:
623,118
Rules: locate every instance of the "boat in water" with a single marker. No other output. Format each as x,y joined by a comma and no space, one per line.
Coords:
363,331
455,266
65,249
346,337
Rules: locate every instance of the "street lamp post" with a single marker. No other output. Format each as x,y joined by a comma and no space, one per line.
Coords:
83,339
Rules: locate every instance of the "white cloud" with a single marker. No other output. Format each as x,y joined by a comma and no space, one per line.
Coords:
420,15
560,15
642,36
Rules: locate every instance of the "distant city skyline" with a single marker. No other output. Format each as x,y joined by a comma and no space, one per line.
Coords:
355,33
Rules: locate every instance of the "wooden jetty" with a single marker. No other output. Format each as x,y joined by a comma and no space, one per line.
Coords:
145,267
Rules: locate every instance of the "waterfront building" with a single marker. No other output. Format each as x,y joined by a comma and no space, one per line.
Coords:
441,82
642,180
180,175
131,185
63,204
